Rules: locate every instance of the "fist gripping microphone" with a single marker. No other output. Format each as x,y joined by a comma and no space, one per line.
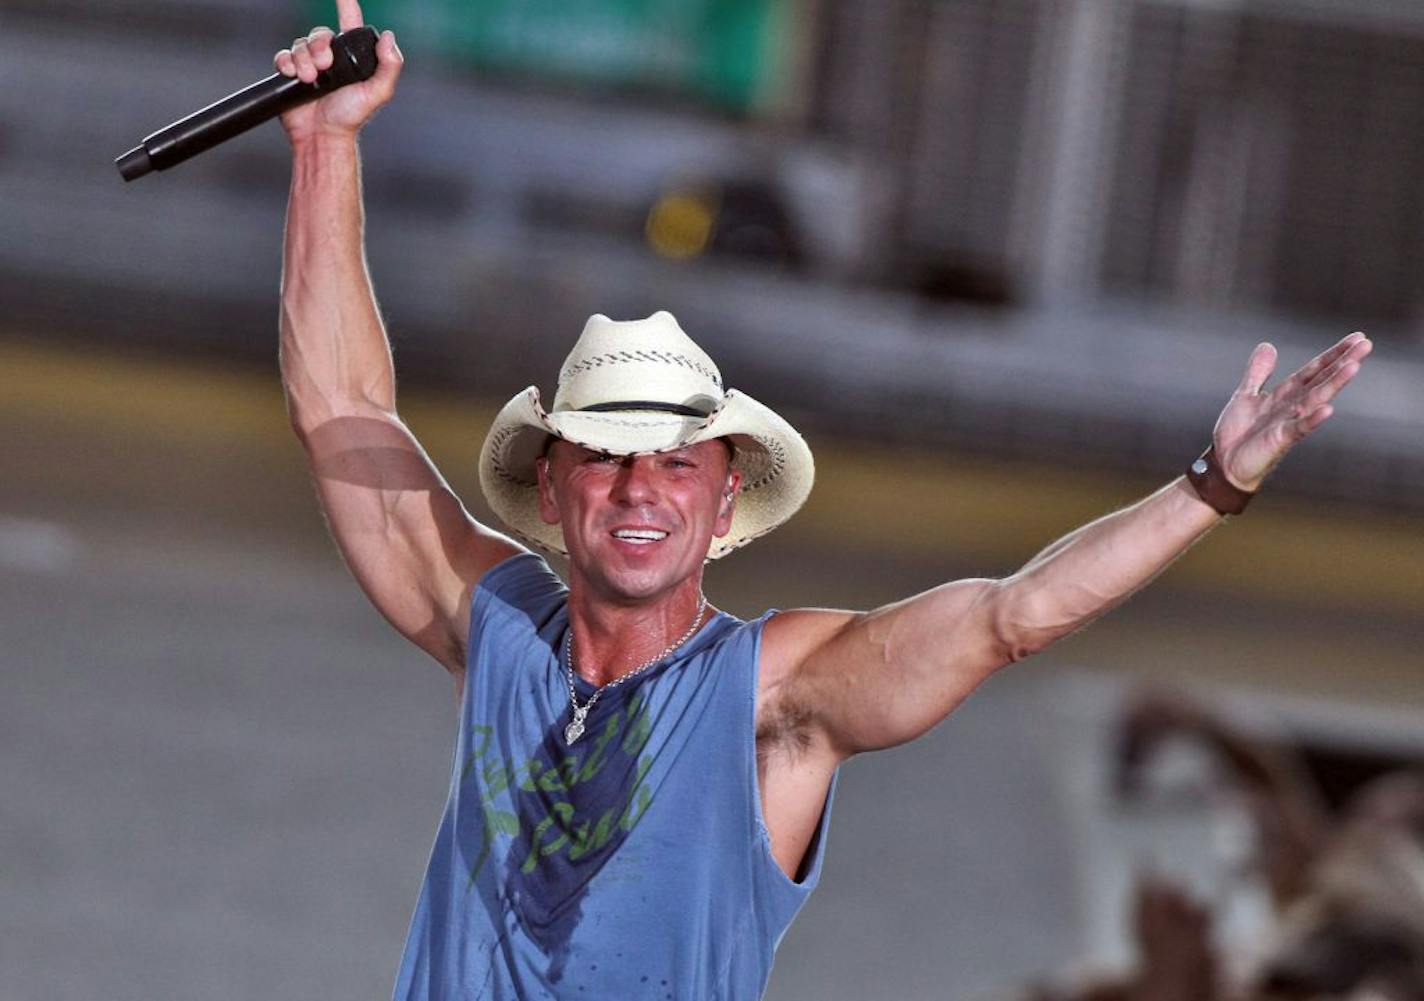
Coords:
353,59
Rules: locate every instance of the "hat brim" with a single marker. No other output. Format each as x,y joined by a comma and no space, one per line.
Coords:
775,462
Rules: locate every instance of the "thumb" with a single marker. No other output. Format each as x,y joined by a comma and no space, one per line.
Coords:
1258,369
388,63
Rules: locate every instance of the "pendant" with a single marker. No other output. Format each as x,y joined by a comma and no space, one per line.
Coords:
574,730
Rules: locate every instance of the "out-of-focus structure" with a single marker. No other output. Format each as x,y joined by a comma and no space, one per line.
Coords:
1027,226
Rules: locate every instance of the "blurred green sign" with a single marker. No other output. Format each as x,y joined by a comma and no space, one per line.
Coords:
728,51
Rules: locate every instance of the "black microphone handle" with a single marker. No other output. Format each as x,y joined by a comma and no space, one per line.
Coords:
353,59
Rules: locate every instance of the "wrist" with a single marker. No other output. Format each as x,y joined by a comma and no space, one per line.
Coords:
1211,484
323,142
327,165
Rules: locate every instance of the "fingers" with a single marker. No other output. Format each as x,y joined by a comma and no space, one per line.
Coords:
388,64
1328,357
1328,385
1308,422
348,14
1258,369
1320,380
1349,352
1317,381
1323,386
308,56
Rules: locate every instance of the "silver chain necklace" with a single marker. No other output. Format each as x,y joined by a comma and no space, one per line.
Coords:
575,729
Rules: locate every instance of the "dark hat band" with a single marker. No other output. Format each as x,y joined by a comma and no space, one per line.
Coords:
667,408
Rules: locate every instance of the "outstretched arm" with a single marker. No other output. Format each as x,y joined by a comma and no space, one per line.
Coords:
405,535
877,679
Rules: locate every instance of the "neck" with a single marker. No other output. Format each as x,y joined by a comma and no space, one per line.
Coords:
611,640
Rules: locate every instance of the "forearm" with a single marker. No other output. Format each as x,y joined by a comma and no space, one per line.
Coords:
334,352
1100,565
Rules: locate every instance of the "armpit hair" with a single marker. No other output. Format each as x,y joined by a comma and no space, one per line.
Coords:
785,730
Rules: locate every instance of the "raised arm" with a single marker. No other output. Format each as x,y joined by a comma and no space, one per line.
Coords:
405,535
862,681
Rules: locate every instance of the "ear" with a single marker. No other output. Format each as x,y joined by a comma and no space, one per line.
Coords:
728,506
548,504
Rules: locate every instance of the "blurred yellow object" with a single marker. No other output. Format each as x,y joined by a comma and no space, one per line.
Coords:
680,224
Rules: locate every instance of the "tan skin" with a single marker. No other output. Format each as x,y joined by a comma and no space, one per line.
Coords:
832,683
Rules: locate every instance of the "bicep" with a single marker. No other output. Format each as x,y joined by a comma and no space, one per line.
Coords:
406,537
881,678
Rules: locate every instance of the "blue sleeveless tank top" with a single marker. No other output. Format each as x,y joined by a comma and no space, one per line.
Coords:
634,864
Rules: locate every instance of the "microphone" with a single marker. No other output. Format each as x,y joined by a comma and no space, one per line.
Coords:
353,59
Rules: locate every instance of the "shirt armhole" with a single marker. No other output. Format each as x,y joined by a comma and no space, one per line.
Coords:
523,583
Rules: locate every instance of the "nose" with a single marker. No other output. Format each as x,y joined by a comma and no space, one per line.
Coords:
635,483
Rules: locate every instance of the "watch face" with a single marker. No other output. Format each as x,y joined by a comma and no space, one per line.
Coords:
1199,466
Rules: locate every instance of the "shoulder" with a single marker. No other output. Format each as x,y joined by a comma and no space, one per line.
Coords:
791,638
523,585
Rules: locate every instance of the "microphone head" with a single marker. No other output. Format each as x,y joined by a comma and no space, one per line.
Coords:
353,58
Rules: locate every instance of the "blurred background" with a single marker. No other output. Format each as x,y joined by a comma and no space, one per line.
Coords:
1002,262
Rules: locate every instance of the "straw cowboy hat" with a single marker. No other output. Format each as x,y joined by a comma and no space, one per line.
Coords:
644,386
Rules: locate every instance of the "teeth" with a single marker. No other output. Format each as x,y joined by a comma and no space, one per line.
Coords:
639,535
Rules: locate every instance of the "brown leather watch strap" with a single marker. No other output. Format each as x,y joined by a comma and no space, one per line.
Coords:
1210,482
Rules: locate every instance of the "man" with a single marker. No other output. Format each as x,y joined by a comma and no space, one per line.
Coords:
641,783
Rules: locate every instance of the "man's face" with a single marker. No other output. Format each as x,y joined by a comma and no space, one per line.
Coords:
635,526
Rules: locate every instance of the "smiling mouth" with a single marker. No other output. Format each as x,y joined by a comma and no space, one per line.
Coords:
639,536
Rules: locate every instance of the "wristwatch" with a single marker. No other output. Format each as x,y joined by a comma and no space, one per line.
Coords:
1210,482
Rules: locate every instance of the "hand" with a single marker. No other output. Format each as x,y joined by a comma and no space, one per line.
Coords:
343,111
1258,428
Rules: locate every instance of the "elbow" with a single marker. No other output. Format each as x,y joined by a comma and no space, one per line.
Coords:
303,418
1013,635
1014,650
304,403
309,409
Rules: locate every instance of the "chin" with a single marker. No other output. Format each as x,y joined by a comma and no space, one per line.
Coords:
639,583
640,586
